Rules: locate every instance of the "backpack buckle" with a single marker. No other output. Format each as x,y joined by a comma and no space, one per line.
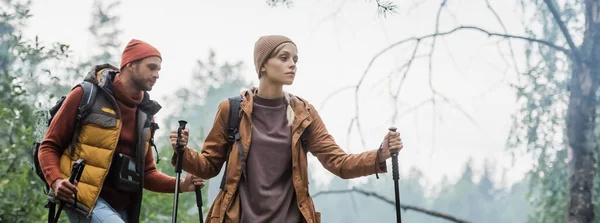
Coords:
231,135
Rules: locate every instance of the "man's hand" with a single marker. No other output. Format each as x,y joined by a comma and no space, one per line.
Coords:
391,142
64,189
184,138
190,182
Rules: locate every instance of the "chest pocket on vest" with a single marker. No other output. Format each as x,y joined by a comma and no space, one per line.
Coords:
105,120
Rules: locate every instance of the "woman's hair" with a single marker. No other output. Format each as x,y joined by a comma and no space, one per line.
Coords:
289,112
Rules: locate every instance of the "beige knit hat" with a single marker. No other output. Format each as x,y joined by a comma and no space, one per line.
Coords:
264,46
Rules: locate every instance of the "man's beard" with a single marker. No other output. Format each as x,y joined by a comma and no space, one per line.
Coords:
139,81
141,84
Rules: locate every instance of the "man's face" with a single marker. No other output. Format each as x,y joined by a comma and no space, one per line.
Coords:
145,73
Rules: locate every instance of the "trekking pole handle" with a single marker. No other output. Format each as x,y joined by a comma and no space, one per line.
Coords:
182,124
77,170
395,171
180,148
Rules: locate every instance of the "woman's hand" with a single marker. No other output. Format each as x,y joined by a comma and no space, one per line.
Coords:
391,142
184,138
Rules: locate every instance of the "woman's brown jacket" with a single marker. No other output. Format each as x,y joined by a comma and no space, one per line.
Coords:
208,163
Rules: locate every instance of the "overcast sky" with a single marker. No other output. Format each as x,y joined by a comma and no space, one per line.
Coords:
334,50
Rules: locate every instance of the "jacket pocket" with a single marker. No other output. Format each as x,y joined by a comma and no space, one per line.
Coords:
101,120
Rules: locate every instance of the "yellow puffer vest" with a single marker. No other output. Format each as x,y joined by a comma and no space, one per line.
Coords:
97,140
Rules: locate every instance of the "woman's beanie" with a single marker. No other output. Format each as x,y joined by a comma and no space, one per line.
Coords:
264,46
136,50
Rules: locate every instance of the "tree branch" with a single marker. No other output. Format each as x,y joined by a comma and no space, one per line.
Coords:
461,28
436,34
576,55
489,6
334,93
430,68
391,202
395,95
397,72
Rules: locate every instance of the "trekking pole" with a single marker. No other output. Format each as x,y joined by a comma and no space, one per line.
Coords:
178,166
199,202
76,173
396,176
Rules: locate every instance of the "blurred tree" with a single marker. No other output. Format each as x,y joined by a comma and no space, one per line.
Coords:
22,63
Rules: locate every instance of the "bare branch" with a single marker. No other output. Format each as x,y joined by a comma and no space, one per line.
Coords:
335,93
437,26
462,110
409,110
576,55
397,71
349,131
489,6
391,202
395,96
418,39
430,68
461,28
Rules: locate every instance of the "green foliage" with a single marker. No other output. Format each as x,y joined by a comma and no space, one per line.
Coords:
540,122
21,61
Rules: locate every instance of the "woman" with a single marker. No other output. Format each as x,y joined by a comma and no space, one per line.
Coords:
272,186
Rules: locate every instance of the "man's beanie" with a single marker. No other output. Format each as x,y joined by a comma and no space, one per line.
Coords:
264,46
136,50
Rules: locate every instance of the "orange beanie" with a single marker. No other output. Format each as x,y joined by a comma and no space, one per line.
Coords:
136,50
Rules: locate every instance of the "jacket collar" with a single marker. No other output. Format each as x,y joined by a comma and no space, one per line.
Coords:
300,106
103,76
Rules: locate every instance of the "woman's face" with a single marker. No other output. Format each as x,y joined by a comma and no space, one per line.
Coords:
280,68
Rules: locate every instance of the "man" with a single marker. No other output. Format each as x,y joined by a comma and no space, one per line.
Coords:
119,158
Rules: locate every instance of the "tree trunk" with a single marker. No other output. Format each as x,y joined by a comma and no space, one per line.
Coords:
581,120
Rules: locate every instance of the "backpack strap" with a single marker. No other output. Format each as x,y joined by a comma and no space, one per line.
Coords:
304,140
153,128
85,106
233,132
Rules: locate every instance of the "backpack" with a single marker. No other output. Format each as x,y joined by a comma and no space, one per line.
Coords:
85,105
233,135
43,122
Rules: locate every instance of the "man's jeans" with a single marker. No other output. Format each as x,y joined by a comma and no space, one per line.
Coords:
102,212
